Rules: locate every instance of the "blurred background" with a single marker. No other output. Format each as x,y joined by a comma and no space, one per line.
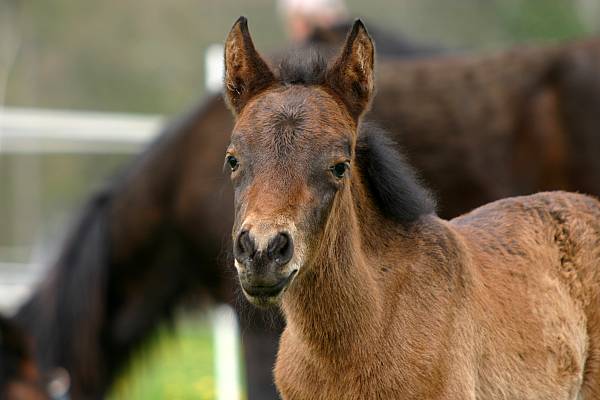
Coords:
117,69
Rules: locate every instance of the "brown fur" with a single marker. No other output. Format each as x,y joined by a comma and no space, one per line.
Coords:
501,303
498,304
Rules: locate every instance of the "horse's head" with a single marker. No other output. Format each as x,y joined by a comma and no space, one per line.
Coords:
20,377
291,154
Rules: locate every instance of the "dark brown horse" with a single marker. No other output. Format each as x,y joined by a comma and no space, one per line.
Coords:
382,299
143,244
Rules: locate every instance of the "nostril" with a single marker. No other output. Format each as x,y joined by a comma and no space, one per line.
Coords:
281,248
244,248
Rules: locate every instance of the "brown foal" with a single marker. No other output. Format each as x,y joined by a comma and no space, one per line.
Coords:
384,300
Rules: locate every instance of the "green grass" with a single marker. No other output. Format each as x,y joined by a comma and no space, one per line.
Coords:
178,365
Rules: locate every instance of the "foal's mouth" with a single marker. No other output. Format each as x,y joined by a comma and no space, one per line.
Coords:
265,295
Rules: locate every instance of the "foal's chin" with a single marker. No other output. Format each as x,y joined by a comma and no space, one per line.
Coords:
267,296
265,301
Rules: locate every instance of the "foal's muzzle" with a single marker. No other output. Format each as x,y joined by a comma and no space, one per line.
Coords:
279,250
264,272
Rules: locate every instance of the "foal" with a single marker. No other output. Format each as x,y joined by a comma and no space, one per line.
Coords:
383,300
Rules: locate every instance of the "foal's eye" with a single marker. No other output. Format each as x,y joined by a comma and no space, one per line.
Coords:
232,162
339,169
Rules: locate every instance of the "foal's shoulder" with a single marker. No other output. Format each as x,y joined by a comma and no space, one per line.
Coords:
528,227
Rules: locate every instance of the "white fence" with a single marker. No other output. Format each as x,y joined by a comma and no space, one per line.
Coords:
45,131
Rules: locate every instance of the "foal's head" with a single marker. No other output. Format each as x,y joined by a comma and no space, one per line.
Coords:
292,151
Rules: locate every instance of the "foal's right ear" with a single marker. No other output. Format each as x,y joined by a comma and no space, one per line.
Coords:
246,73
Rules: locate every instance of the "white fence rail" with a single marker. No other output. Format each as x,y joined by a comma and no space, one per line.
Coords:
46,131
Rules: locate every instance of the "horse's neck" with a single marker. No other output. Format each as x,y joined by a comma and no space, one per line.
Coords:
112,232
336,305
143,199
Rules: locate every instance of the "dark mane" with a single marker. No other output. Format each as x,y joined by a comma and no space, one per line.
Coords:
392,181
303,67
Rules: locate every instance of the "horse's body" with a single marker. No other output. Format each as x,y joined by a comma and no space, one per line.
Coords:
484,127
383,299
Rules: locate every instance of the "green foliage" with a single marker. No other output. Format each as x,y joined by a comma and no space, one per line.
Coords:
178,366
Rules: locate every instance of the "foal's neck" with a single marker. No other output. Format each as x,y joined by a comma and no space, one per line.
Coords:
335,306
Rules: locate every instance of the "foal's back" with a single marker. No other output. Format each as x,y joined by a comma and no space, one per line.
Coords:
535,270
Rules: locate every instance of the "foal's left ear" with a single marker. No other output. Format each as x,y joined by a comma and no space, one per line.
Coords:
246,73
351,75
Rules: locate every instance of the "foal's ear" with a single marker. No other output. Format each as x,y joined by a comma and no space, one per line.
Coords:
246,73
351,75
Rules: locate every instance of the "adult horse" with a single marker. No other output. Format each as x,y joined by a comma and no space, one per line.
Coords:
383,299
142,244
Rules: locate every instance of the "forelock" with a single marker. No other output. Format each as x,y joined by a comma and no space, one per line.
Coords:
303,67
